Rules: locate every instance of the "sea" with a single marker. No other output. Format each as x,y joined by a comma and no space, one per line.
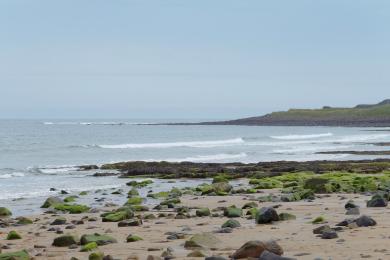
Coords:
39,158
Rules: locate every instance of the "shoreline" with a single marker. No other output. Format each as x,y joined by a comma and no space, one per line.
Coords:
163,215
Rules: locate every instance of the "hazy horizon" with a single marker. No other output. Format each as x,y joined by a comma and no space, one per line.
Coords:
189,59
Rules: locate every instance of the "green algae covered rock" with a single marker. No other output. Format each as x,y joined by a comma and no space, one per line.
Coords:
118,215
231,223
134,201
51,201
20,255
4,212
89,247
133,238
203,240
203,212
100,240
96,256
64,241
72,208
13,235
232,212
286,216
24,221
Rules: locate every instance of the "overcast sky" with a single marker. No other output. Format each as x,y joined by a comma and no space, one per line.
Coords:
190,58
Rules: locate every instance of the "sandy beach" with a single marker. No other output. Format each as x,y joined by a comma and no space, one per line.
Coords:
294,236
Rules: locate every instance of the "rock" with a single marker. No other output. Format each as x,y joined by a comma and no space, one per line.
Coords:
365,221
203,240
153,257
64,241
231,223
118,215
250,205
134,201
203,212
221,188
96,256
345,222
329,234
13,235
255,248
99,239
196,253
71,208
286,216
24,221
377,201
215,258
133,238
4,212
89,247
130,223
266,215
351,205
321,229
266,255
352,211
225,230
51,201
59,221
232,212
20,255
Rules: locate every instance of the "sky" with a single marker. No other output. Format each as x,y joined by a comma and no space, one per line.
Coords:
190,58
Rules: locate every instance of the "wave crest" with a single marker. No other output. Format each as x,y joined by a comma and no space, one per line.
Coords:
300,137
195,144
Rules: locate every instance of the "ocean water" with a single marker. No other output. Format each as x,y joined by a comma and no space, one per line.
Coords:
36,155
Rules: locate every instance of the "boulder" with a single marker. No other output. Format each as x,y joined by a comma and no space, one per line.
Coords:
4,212
99,239
232,212
203,240
365,221
51,201
231,223
377,201
255,248
329,234
203,212
19,255
266,215
13,235
321,229
133,238
350,205
267,255
64,241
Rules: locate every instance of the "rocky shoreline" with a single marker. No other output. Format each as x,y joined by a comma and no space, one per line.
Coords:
276,210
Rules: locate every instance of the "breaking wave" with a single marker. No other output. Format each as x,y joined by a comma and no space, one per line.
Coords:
300,137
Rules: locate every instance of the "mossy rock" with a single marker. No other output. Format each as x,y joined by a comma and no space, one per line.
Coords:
232,212
171,201
266,215
133,238
220,178
252,213
13,235
134,201
139,208
83,193
203,240
250,205
96,256
286,216
203,212
64,241
133,192
159,195
4,212
118,215
72,208
24,221
140,184
231,223
100,240
269,183
51,201
19,255
318,220
149,216
89,247
70,199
